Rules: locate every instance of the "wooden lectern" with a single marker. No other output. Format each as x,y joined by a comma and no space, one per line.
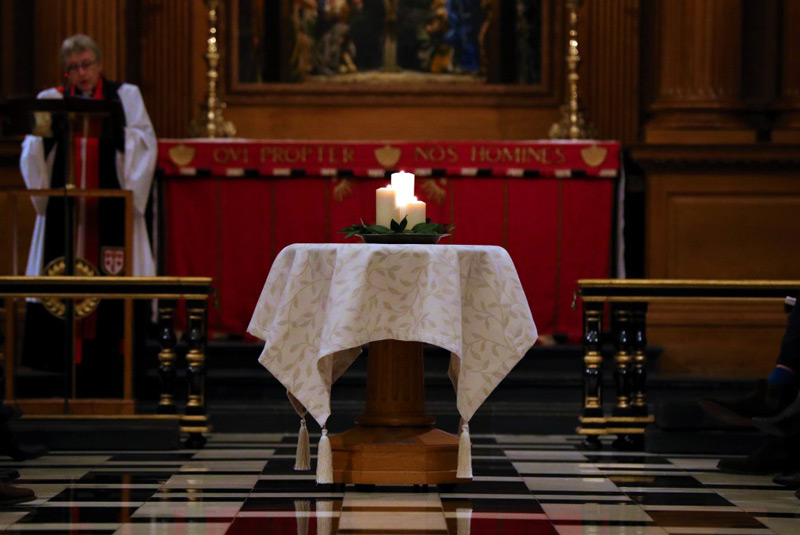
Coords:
62,119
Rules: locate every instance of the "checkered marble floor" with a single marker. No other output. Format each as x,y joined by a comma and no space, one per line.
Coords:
534,484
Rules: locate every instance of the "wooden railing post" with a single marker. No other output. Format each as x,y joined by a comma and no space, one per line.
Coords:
639,372
592,420
195,419
621,325
621,422
166,357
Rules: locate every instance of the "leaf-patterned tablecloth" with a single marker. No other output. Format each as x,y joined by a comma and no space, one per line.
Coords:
322,302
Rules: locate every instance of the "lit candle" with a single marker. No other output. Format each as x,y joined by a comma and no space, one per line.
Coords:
385,199
416,213
403,184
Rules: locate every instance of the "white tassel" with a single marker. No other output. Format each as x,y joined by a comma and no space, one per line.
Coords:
302,511
302,458
324,517
463,520
324,459
464,454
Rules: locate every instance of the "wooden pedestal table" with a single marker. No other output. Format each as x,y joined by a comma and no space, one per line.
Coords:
322,302
394,441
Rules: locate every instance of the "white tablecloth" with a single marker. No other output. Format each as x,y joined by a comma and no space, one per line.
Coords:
322,302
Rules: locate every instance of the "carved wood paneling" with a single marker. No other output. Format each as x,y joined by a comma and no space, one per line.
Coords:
730,226
8,11
166,64
790,73
397,123
14,243
787,127
55,20
698,83
716,340
716,212
611,67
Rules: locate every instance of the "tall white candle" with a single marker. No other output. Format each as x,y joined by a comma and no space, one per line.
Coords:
385,200
403,184
416,213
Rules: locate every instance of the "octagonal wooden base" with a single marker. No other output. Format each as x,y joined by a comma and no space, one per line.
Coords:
395,456
394,442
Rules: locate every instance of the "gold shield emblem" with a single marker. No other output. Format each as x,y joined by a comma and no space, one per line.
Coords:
181,155
387,155
594,155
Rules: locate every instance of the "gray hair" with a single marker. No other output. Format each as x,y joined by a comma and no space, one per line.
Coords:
78,43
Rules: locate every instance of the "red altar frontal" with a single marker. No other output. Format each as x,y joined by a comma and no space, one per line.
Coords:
230,206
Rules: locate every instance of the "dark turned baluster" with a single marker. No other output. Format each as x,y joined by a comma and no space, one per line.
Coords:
621,324
623,341
166,357
195,421
592,421
639,375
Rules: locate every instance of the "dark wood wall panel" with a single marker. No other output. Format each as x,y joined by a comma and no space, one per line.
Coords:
708,225
55,20
166,64
720,213
698,82
610,72
787,127
7,47
716,339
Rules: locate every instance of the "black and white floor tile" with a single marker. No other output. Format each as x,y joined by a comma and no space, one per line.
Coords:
244,484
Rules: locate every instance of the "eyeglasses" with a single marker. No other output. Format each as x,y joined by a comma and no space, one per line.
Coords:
86,65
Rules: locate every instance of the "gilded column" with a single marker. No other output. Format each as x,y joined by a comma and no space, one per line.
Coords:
787,127
698,75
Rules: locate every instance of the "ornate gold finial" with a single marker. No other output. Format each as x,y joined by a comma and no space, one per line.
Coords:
572,124
211,123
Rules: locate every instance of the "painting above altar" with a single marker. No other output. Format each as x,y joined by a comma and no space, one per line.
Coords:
390,41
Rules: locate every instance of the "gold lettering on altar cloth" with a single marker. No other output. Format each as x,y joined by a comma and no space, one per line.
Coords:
435,154
498,154
231,154
335,155
303,154
284,155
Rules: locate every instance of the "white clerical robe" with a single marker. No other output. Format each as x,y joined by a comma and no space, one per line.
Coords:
135,167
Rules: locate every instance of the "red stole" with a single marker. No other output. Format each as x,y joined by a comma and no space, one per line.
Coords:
87,176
